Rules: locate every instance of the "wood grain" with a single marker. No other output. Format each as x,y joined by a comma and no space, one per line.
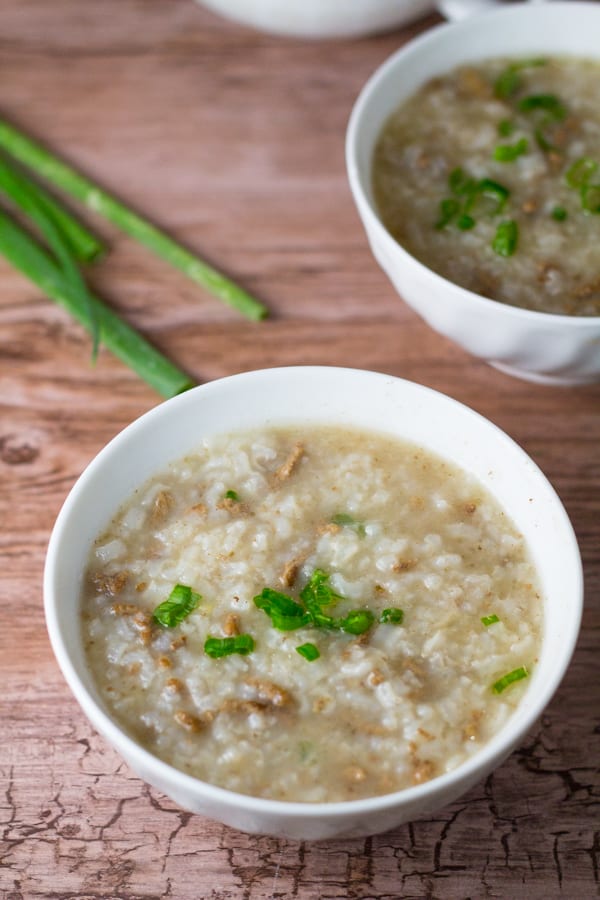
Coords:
233,141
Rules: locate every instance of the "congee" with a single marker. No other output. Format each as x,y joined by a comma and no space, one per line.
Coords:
490,176
311,614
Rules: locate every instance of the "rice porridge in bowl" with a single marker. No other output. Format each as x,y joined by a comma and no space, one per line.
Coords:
357,603
312,602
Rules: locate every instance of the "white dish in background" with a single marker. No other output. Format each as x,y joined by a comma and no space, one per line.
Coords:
321,18
551,349
305,395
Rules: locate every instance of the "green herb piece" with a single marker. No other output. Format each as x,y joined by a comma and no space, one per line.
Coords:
510,152
24,253
590,198
489,620
84,245
308,651
347,521
559,213
506,238
547,103
232,495
494,191
284,612
357,621
515,675
580,172
318,593
47,166
448,209
461,183
465,222
180,603
392,616
506,128
509,80
219,647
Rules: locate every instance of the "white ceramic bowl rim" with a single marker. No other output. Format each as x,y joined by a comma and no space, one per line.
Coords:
117,737
403,57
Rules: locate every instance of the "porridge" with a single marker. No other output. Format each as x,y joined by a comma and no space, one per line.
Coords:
315,614
490,175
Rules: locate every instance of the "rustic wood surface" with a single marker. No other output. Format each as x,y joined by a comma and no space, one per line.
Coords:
234,142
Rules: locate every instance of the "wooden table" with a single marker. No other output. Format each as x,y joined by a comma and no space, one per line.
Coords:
234,142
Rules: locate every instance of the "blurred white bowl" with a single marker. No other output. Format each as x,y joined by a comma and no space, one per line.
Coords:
321,18
552,349
308,395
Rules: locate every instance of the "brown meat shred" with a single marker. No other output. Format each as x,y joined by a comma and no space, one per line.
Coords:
285,469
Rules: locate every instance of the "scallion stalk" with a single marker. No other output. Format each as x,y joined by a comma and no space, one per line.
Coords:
22,251
63,176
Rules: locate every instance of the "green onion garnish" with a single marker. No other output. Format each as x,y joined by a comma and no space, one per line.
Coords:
510,152
392,616
347,521
506,238
509,81
465,222
506,128
490,620
515,675
580,172
357,621
232,495
218,647
548,103
180,603
493,190
308,651
448,209
285,613
49,167
590,198
559,213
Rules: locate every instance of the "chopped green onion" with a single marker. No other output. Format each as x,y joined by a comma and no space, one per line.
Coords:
506,128
509,81
490,620
515,675
548,103
465,222
219,647
590,198
308,651
347,521
580,172
559,213
23,252
506,238
285,613
448,209
392,616
318,593
510,152
232,495
67,179
461,183
180,603
487,187
357,621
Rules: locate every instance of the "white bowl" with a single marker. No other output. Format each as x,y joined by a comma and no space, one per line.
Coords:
321,18
321,395
553,349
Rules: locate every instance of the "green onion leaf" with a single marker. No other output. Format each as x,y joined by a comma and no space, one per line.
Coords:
219,647
284,612
232,495
308,651
347,521
590,198
548,103
509,81
461,183
181,602
515,675
580,172
465,222
510,152
493,190
357,621
392,616
506,238
317,592
489,620
506,128
448,209
559,213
